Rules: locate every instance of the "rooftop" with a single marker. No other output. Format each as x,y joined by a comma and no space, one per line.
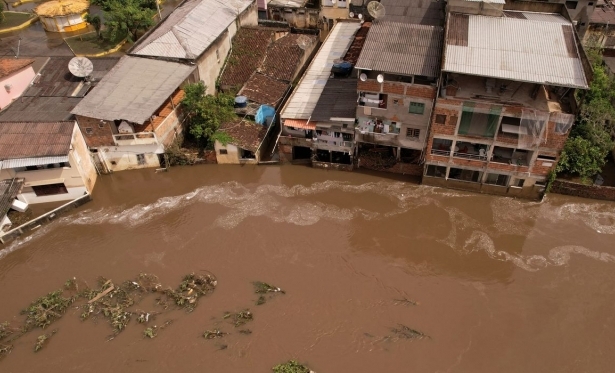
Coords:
246,135
28,139
39,109
419,12
352,55
190,29
57,8
603,15
264,90
287,3
303,100
9,189
133,90
11,65
387,49
507,48
338,100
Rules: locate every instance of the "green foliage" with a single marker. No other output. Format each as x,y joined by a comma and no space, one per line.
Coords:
96,22
1,12
42,339
127,17
291,367
590,141
223,137
207,112
150,332
47,309
581,156
107,5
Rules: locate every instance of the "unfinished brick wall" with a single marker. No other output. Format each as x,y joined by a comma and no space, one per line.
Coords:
101,134
397,168
398,88
554,140
582,190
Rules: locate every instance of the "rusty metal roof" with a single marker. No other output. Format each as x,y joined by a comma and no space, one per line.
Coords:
418,12
402,48
11,65
190,29
522,49
28,139
9,189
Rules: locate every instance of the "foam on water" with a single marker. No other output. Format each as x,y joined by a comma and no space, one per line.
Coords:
284,204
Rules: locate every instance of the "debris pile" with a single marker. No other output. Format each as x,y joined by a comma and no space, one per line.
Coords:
405,332
239,318
212,334
291,367
42,339
191,288
263,288
45,310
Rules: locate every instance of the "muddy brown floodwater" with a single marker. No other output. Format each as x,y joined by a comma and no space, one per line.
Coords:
501,285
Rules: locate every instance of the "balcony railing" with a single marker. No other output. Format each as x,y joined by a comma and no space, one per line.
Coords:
441,152
140,138
341,143
470,156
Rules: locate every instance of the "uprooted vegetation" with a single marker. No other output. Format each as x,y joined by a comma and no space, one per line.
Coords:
291,366
239,318
191,288
263,289
404,332
41,340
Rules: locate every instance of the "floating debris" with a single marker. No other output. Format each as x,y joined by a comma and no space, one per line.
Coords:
112,301
213,334
191,288
291,367
239,318
5,350
46,310
406,302
245,331
263,288
42,339
222,346
145,317
150,332
408,333
6,330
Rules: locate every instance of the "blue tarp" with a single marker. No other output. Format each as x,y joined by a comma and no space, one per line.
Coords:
264,114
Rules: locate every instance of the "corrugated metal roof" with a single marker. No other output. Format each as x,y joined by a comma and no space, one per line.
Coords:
287,3
37,161
9,188
402,48
133,90
419,12
543,17
338,100
300,123
27,139
39,109
515,49
301,103
190,29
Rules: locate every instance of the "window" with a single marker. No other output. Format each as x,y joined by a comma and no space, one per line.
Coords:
337,134
590,4
436,171
479,124
571,4
440,118
416,108
49,189
464,175
413,133
346,136
65,164
89,130
497,179
222,151
395,101
101,124
141,159
246,154
375,100
519,183
31,168
547,158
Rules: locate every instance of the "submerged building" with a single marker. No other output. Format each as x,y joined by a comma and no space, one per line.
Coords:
506,103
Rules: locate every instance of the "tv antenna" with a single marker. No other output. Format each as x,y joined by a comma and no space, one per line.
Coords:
304,42
80,67
376,10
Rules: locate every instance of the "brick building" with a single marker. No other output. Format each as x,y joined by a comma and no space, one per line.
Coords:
396,88
506,101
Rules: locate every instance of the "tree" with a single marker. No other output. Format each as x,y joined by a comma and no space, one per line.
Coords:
96,22
581,156
128,17
206,112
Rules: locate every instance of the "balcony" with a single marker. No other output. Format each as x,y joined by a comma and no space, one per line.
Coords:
441,147
511,156
470,150
140,138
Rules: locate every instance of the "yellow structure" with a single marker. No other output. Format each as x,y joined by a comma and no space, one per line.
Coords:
63,15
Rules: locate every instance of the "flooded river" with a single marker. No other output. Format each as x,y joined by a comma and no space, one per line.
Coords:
500,285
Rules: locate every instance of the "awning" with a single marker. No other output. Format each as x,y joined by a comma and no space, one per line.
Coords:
300,123
35,161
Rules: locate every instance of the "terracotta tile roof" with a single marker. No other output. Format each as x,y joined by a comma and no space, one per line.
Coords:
246,135
162,114
264,90
249,49
27,139
11,65
284,56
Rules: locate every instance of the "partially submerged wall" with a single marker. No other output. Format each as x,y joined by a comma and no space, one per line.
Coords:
581,190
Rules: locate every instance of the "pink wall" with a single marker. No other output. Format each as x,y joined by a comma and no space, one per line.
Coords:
262,4
19,82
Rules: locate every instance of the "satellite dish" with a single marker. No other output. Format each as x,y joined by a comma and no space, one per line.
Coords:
304,41
380,78
363,77
351,14
375,9
360,16
80,67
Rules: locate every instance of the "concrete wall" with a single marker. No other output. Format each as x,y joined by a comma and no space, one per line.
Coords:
170,127
233,155
528,192
121,158
582,190
83,160
211,62
18,81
